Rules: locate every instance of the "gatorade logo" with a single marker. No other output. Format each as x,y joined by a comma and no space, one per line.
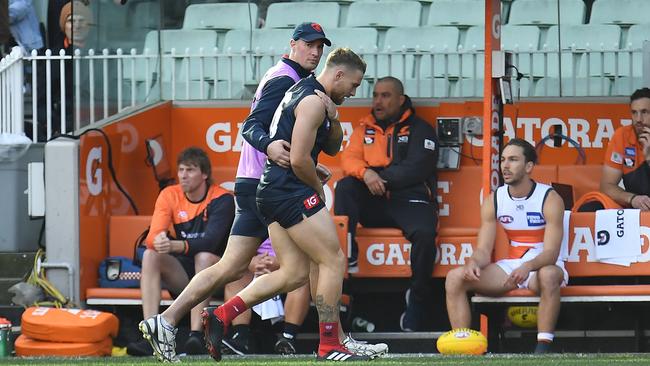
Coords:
94,171
602,237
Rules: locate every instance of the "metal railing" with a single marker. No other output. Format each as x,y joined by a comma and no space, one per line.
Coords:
98,85
11,93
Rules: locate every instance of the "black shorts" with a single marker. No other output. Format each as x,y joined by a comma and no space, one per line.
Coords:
290,211
186,261
248,220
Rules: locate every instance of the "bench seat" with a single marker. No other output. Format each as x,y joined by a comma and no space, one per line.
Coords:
581,293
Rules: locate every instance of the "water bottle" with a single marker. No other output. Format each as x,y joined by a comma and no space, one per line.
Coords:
362,325
5,333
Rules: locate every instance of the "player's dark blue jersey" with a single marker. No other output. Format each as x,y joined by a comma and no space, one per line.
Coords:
277,182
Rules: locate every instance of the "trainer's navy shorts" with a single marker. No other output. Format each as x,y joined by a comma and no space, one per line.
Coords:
248,220
186,261
290,211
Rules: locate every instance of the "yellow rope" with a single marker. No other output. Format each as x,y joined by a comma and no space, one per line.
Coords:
37,278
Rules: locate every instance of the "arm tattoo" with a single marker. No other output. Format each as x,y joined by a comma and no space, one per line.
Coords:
327,313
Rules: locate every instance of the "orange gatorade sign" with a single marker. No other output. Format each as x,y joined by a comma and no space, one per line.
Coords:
68,325
216,129
386,254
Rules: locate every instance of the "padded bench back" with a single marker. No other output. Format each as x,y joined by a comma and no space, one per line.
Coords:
123,232
583,178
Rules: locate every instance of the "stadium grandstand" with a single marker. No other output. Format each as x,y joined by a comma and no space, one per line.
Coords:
90,131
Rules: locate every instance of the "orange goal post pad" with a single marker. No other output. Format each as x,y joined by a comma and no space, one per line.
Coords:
26,346
68,325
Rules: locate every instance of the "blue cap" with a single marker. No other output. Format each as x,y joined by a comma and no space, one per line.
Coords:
310,31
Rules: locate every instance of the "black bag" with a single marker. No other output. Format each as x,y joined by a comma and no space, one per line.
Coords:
119,272
122,272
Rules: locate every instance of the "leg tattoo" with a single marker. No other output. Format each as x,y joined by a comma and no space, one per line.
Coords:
327,313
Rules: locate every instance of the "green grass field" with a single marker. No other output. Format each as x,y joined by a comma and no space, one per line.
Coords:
391,360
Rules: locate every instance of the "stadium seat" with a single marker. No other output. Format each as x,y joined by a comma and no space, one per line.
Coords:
636,35
473,59
522,40
288,15
625,85
579,44
621,12
220,16
449,13
147,13
544,12
363,41
468,87
592,86
383,14
181,41
427,88
268,44
406,42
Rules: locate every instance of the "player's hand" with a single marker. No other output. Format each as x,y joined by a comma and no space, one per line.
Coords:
263,264
330,107
323,172
374,182
641,202
471,272
163,245
644,140
278,151
518,276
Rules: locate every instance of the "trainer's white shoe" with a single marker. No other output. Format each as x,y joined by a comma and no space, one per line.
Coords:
363,348
162,338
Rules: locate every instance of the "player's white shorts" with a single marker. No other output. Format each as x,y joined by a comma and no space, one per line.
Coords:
509,265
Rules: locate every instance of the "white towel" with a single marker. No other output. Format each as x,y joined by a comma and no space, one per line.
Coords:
564,248
270,309
617,236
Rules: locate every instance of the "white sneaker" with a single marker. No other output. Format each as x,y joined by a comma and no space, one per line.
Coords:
161,337
362,348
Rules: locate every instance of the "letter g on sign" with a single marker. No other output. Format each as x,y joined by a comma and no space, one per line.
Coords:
94,171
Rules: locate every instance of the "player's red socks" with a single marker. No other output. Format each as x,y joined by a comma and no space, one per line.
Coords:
230,310
329,338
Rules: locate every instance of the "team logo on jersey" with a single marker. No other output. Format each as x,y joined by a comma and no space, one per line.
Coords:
535,219
520,207
368,140
312,201
630,151
182,214
617,158
429,144
402,139
629,162
370,131
506,219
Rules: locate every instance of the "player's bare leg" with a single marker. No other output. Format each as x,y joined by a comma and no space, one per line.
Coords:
491,283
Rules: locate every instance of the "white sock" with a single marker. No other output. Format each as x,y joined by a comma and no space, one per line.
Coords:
546,337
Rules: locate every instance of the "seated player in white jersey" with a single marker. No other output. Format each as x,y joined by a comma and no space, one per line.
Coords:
532,215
